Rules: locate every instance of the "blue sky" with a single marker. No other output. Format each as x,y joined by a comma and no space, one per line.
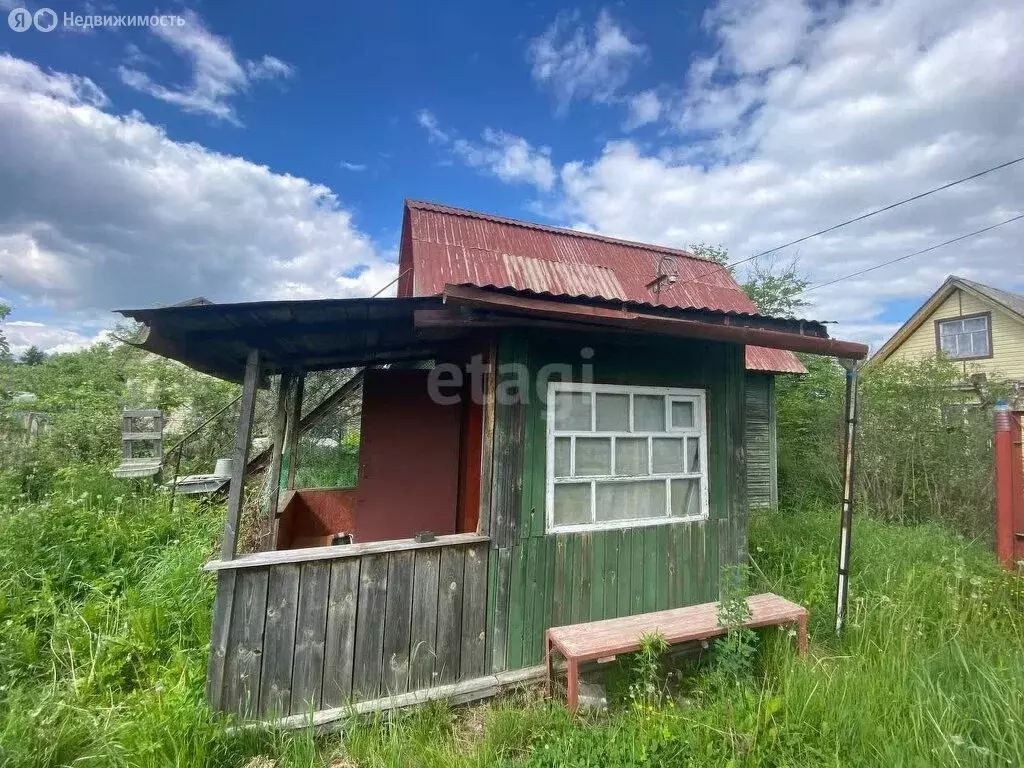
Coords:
257,151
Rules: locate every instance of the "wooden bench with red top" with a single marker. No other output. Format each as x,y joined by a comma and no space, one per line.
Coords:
603,640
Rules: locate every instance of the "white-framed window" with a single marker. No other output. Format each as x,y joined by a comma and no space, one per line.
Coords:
622,456
966,337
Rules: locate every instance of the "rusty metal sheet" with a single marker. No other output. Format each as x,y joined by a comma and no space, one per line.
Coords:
455,246
773,360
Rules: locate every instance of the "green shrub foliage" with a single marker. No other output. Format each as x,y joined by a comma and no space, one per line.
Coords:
923,448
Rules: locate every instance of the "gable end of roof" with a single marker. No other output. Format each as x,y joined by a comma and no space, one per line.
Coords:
1010,302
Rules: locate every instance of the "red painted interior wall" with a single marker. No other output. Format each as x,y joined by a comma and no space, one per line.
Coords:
313,516
469,480
408,458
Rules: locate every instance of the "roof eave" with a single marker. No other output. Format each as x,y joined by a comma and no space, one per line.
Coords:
584,312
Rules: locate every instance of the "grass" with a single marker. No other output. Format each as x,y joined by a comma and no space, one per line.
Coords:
104,624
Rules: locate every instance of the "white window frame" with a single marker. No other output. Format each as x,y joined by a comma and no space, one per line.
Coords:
700,429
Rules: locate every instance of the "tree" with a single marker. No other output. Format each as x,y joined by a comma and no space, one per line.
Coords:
33,356
774,289
5,349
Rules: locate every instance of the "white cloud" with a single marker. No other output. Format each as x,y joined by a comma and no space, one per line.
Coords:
758,35
355,167
429,123
645,107
22,334
578,62
217,74
100,211
508,157
797,121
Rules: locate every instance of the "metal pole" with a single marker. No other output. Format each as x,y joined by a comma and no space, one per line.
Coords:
846,519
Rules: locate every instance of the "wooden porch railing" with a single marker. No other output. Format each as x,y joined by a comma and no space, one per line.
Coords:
302,630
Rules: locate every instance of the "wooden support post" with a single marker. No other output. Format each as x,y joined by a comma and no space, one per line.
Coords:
846,519
274,475
294,428
487,443
236,492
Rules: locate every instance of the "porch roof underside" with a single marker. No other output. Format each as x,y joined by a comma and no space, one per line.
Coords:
340,333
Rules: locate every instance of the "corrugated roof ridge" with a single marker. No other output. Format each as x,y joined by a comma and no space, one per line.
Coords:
426,205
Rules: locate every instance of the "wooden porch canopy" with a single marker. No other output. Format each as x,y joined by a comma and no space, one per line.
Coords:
340,333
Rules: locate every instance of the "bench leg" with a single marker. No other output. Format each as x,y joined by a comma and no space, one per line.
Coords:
547,663
801,635
573,684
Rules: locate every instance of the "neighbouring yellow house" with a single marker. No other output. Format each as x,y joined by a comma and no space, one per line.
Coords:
976,325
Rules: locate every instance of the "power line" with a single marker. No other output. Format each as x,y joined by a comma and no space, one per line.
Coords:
911,255
867,215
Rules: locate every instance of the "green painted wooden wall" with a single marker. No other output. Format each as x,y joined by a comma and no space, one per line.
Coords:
762,472
539,580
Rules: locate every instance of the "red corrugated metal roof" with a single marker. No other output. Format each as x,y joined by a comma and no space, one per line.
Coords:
773,360
443,245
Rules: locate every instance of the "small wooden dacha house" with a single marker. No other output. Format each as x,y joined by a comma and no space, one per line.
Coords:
553,430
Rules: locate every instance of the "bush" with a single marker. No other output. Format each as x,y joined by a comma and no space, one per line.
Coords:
920,454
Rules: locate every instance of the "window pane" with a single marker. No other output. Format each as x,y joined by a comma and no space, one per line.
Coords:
976,324
949,346
979,343
572,411
668,455
648,413
950,328
593,456
572,503
613,413
685,498
682,414
563,447
630,456
630,501
693,454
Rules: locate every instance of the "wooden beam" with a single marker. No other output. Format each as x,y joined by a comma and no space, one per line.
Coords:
277,452
487,444
736,330
431,323
310,554
313,417
236,493
294,430
463,692
356,359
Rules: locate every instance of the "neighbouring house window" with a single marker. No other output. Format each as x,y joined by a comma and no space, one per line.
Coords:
965,337
625,456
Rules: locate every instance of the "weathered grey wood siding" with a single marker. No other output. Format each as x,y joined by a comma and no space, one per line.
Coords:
759,436
290,638
540,580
